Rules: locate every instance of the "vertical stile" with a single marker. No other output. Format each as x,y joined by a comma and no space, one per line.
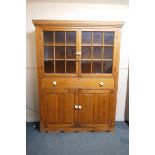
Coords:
79,44
65,53
102,50
92,50
54,50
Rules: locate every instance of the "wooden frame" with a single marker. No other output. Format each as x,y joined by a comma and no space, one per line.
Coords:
77,83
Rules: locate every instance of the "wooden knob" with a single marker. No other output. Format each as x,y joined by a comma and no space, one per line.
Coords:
78,53
101,84
80,107
76,106
54,83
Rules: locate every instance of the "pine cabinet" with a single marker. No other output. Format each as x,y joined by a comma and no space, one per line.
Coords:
77,64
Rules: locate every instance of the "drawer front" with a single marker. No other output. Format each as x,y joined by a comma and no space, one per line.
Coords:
81,83
96,83
58,83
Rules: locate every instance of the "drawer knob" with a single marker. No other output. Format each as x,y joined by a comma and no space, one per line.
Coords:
101,84
76,106
80,107
54,83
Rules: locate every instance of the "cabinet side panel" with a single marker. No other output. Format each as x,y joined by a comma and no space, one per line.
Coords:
38,56
113,96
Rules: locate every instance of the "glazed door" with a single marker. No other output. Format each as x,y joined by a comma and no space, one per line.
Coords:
97,52
94,107
78,52
60,52
58,109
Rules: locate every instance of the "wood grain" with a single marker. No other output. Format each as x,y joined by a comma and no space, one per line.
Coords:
57,102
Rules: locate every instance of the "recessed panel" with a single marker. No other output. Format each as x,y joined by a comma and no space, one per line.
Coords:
85,66
70,52
48,37
86,37
48,52
59,52
48,66
97,66
59,37
107,67
70,37
70,66
60,66
86,52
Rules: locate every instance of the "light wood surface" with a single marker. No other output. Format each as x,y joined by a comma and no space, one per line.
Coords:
77,101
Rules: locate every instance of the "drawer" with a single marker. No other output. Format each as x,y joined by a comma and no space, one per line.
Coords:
96,83
58,83
81,83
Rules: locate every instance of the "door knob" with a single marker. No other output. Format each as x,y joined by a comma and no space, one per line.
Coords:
79,53
76,106
101,83
80,107
54,83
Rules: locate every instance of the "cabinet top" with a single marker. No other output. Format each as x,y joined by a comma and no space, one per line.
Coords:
72,23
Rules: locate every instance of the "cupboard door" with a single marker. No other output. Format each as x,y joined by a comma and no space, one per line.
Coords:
58,108
97,52
94,107
59,52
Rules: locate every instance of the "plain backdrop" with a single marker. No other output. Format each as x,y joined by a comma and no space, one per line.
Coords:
73,11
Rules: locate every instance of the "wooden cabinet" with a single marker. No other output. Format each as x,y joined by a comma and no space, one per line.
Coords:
77,65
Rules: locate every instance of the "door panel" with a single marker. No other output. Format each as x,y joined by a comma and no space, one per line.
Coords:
86,111
101,108
66,108
94,107
59,108
50,102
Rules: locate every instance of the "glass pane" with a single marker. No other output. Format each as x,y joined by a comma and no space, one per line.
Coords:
48,52
59,37
97,52
85,66
70,66
108,53
86,52
59,52
107,67
48,37
48,66
109,38
60,66
70,52
97,67
97,38
86,37
71,37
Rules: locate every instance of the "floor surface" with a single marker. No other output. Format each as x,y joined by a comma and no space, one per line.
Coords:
86,143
